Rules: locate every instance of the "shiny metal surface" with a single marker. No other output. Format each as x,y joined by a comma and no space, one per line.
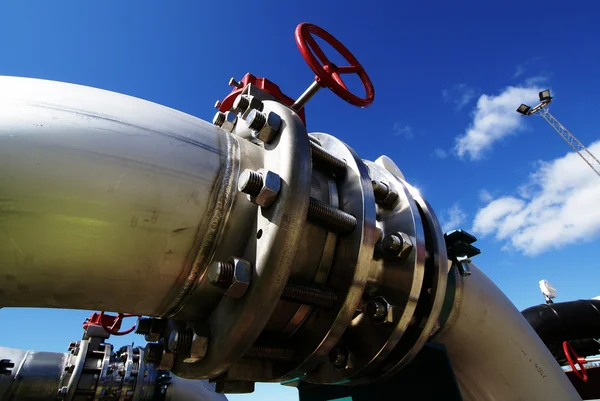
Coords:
235,324
35,376
104,197
495,353
395,281
348,275
432,294
306,96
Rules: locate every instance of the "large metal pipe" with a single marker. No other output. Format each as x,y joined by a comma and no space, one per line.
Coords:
39,376
495,353
576,321
105,200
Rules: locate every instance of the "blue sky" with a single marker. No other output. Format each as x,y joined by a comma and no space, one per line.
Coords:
447,77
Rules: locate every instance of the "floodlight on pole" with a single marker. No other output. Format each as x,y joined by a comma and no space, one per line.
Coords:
542,107
524,109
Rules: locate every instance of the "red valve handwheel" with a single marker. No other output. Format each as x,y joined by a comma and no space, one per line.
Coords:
116,324
328,74
570,353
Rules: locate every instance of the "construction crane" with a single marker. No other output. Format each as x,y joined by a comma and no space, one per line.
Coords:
573,142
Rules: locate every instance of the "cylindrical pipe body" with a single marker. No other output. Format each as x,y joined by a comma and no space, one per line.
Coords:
576,321
104,198
39,376
33,375
495,353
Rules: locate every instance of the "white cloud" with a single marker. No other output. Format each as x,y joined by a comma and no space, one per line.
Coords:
561,208
404,130
453,218
459,95
494,119
440,153
485,196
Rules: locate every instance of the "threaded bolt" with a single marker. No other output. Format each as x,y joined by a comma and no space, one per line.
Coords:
220,274
241,104
376,310
256,120
274,353
250,182
219,119
380,190
180,342
334,219
144,326
153,353
326,161
309,295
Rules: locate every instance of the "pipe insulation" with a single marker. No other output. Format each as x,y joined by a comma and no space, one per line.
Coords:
576,321
105,198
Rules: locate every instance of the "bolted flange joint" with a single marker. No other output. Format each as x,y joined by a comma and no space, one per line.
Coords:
233,275
262,186
397,244
384,193
264,126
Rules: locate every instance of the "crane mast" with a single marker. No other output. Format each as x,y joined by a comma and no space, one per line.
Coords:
569,138
573,142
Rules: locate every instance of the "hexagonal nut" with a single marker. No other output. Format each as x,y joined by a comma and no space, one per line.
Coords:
167,361
198,350
397,244
230,120
384,193
268,132
270,189
242,275
380,310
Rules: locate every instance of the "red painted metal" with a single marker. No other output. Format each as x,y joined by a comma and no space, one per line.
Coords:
261,83
328,74
571,354
110,324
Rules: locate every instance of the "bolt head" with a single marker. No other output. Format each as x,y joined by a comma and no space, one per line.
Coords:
242,275
384,193
397,244
270,189
270,130
380,310
217,104
234,82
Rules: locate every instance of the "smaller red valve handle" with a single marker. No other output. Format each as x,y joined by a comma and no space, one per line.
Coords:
328,74
113,329
573,359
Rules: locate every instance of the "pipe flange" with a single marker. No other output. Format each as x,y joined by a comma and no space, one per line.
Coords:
235,324
431,298
322,331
